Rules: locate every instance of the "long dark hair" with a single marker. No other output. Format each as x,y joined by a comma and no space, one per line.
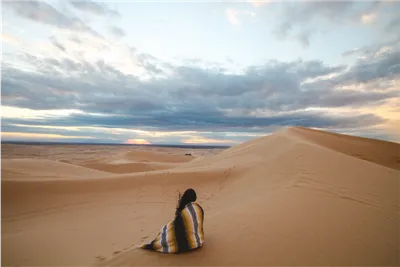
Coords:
186,198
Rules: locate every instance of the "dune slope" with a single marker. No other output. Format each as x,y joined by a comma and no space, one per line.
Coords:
285,199
41,169
146,156
377,151
130,167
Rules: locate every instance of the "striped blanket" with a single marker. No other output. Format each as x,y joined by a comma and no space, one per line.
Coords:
184,233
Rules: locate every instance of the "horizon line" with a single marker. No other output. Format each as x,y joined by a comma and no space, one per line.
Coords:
112,144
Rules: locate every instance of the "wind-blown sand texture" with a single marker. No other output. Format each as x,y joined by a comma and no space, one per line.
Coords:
296,197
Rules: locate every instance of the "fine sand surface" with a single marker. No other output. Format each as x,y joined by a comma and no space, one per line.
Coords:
297,197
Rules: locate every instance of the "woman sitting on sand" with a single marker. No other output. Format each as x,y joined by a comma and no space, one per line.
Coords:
185,232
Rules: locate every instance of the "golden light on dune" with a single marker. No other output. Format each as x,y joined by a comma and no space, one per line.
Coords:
137,142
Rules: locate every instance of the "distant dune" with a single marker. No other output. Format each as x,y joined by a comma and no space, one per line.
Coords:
41,169
296,197
146,156
130,167
138,161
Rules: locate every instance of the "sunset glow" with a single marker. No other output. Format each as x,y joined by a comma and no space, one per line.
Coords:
137,142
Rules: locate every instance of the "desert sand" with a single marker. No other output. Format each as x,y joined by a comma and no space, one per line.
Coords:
296,197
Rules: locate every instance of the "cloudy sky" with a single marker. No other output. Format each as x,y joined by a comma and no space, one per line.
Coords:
197,72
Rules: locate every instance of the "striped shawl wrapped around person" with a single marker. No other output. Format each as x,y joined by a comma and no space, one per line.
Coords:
185,232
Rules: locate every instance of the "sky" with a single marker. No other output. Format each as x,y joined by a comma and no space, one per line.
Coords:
197,72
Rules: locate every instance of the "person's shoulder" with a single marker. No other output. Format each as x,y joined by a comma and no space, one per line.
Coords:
197,205
193,208
193,204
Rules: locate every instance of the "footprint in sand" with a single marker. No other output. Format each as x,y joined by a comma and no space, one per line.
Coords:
100,258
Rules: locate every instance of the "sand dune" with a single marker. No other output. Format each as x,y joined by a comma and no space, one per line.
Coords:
130,167
138,161
296,197
146,156
39,169
377,151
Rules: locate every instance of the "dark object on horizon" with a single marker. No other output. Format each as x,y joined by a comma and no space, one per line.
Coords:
188,154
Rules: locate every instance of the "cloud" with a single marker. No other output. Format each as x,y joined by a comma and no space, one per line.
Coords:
304,37
351,52
258,4
54,42
99,87
297,15
296,18
376,50
94,8
9,39
381,65
117,32
232,16
176,98
75,39
36,136
282,31
235,16
308,11
249,13
197,123
394,24
149,63
159,134
368,18
44,13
